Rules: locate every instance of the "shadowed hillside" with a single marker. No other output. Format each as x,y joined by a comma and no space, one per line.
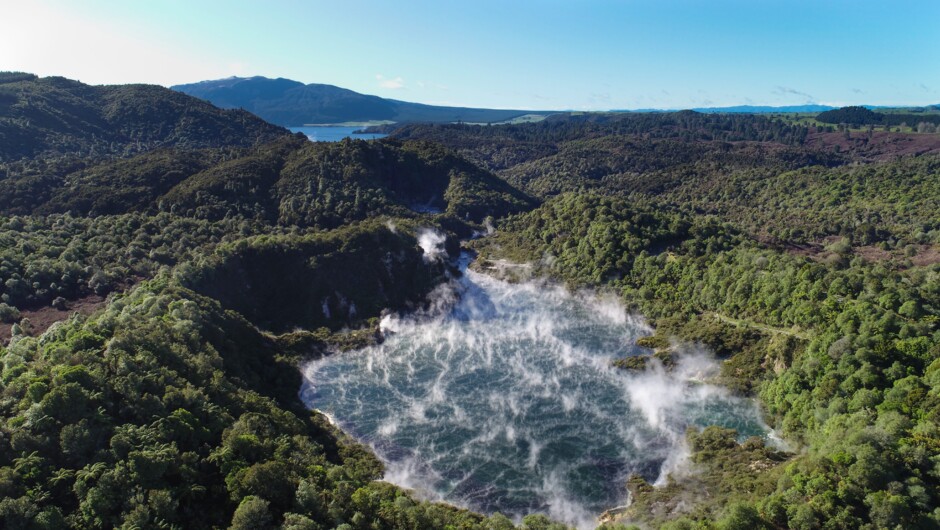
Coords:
54,115
290,181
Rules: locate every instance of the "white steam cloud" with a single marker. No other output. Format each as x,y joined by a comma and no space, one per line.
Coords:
432,243
501,397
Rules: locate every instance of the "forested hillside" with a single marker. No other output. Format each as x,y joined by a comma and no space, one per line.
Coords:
167,410
840,345
113,150
289,181
785,182
52,116
500,147
860,116
175,404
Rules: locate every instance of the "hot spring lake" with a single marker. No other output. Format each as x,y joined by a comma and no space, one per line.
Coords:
501,399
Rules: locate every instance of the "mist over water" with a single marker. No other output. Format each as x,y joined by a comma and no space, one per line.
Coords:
501,398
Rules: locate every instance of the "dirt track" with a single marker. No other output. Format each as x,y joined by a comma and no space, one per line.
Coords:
40,319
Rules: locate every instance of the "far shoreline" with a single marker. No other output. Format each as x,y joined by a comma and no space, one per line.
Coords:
371,123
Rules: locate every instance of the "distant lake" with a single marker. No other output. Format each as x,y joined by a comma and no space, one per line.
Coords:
334,134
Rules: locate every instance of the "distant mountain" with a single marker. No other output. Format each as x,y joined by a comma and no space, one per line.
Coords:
763,109
54,116
293,104
739,109
809,108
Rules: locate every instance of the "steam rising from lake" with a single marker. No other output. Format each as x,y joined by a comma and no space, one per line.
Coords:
432,244
501,398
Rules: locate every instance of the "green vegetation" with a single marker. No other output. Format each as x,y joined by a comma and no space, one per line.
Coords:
893,203
501,147
844,358
748,170
619,164
289,181
725,471
859,116
53,116
167,411
45,258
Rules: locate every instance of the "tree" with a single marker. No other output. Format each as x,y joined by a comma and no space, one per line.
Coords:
742,516
252,514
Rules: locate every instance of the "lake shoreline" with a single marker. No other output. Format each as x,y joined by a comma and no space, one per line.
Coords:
408,466
335,133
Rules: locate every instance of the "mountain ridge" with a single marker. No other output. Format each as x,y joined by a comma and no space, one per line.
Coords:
55,115
292,104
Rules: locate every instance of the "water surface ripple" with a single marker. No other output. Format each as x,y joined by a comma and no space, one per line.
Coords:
501,398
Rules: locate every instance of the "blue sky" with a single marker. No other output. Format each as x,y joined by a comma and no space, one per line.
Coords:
549,54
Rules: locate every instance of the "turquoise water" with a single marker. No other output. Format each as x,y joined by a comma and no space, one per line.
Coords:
501,398
334,134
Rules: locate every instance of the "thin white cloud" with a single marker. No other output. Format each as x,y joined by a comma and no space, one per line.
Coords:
787,91
390,83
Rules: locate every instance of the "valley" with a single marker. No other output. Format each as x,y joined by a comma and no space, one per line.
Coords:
672,320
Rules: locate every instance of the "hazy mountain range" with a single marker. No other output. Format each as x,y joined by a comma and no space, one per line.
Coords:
292,104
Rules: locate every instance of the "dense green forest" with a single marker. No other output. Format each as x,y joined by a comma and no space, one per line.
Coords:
859,116
60,256
763,175
229,251
57,116
500,147
843,353
287,181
